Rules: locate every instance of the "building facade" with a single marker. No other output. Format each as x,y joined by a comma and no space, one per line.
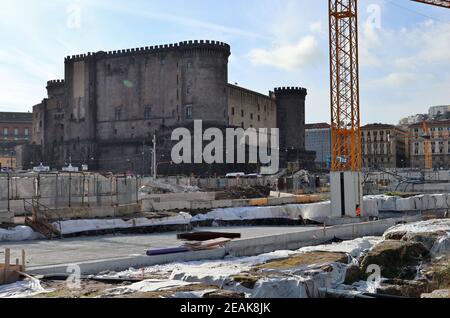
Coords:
383,146
15,129
438,134
437,112
318,139
110,104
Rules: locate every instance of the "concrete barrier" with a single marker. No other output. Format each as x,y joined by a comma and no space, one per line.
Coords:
94,212
259,202
6,217
120,264
237,248
186,196
221,204
293,241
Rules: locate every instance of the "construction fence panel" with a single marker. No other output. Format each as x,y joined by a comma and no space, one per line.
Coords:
3,188
22,188
126,190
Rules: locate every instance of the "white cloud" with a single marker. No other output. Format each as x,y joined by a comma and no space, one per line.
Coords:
288,57
398,79
316,27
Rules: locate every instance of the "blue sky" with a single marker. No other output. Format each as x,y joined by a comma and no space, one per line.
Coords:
404,46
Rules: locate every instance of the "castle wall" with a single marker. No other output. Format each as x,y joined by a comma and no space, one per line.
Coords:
291,117
250,109
115,101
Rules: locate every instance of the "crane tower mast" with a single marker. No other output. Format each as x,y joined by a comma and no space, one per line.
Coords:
346,161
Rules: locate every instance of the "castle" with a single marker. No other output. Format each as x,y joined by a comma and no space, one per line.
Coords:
110,104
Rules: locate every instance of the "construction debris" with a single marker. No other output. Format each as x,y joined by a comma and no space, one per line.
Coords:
205,236
245,192
208,245
11,273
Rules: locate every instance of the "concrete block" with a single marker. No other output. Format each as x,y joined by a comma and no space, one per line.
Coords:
221,204
121,264
259,202
279,201
6,217
201,205
240,203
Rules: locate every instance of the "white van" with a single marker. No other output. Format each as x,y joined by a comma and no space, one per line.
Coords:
235,175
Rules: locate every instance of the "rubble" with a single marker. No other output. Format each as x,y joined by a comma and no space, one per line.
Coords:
244,192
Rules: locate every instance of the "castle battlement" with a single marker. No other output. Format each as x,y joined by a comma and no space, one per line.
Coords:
59,82
291,91
186,45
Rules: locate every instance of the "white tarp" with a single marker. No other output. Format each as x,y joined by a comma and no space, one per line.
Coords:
26,288
19,233
77,226
441,226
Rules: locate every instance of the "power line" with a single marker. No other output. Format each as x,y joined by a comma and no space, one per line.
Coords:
395,4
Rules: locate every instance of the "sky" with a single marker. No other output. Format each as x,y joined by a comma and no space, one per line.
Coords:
404,46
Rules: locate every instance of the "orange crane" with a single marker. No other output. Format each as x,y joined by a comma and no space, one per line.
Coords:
346,161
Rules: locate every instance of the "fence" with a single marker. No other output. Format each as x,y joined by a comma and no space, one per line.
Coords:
78,189
68,189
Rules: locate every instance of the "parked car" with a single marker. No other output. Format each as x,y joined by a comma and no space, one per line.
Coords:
235,175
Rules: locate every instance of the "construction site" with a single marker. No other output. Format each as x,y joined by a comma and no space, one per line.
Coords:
345,229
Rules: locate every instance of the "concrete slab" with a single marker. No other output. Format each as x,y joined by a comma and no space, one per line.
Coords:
95,255
84,249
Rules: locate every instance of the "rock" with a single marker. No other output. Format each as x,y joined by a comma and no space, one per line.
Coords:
428,239
354,274
397,259
395,235
403,288
221,294
246,280
309,258
439,273
443,293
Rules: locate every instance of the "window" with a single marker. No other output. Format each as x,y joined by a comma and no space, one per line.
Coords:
232,111
5,131
259,118
188,111
147,113
16,131
26,132
242,113
251,116
118,113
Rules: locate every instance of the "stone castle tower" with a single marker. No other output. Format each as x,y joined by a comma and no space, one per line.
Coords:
110,104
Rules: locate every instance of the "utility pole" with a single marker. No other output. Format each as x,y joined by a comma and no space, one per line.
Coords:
143,157
154,157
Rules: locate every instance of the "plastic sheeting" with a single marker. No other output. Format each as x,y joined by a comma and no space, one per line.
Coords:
19,233
419,202
78,226
442,226
355,248
26,288
303,283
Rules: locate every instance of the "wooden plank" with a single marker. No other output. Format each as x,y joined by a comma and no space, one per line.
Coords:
205,236
24,262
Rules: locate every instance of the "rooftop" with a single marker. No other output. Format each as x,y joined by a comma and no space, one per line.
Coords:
378,126
432,123
14,117
317,126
